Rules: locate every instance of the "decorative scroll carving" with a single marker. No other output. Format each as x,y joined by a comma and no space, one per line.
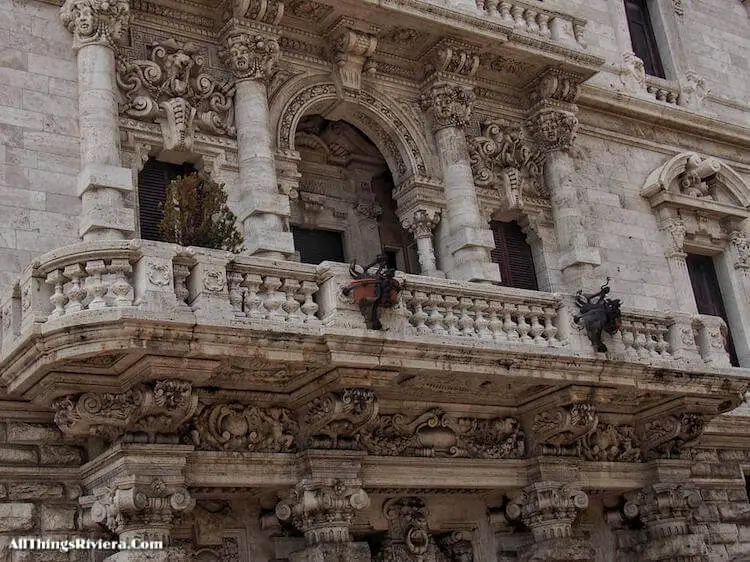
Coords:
157,408
697,171
251,57
92,22
172,88
739,242
675,230
123,510
351,52
448,105
562,427
611,443
548,509
334,420
452,59
504,158
263,11
421,223
555,86
436,433
236,427
457,547
668,435
408,537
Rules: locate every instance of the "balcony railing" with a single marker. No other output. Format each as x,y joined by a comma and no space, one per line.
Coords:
95,282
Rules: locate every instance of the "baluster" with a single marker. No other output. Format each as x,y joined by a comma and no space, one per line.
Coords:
181,272
480,322
523,326
495,324
309,308
544,30
650,333
253,303
419,316
504,9
640,340
451,320
628,339
662,345
517,13
550,330
95,283
58,298
509,326
236,298
291,306
435,318
536,327
272,300
491,6
531,24
76,293
120,268
465,320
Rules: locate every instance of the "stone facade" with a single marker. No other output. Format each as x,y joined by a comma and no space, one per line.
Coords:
235,407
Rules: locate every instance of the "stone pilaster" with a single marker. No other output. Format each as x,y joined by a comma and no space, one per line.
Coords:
421,224
103,185
552,122
323,504
673,229
550,510
447,99
263,209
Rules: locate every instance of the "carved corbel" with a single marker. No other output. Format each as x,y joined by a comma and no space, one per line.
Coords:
334,420
351,50
262,11
96,22
149,408
449,59
558,430
666,436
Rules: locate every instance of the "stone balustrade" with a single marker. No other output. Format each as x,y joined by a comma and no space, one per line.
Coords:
99,281
530,19
662,90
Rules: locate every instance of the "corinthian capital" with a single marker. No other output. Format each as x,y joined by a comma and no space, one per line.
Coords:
421,223
549,509
552,128
448,105
251,57
95,22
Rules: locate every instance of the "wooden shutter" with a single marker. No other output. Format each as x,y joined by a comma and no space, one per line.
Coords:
315,246
513,256
642,37
707,294
152,188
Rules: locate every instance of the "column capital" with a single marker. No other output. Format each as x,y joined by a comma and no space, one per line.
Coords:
741,249
549,509
249,55
422,222
448,105
553,128
96,22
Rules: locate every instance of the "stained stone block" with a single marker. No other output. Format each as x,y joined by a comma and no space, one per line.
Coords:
60,455
34,491
22,432
17,455
55,518
16,516
96,176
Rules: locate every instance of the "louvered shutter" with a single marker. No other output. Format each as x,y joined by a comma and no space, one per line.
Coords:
315,246
152,187
513,256
707,294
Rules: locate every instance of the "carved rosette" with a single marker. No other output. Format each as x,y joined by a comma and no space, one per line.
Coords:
553,129
237,427
322,512
334,421
150,408
448,105
548,509
96,22
556,429
141,511
251,57
421,223
408,537
668,435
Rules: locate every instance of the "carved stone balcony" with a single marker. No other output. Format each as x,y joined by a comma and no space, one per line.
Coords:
109,315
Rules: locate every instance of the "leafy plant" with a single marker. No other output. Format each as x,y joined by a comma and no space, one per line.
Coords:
196,214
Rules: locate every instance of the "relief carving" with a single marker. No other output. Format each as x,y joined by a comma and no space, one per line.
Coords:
693,181
173,89
613,443
334,421
665,437
95,22
408,537
559,428
739,242
251,57
448,105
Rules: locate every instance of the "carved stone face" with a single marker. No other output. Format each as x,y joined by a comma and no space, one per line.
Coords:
85,20
240,56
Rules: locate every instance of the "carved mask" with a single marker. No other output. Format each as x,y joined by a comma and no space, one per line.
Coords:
85,20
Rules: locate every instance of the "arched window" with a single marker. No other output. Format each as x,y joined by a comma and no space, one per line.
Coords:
513,256
153,180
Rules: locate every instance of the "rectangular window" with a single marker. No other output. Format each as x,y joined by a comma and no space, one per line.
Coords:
642,37
513,256
708,295
152,189
315,246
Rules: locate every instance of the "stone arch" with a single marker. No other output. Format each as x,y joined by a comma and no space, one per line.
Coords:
396,135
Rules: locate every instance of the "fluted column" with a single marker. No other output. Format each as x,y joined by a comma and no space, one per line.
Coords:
263,210
421,223
469,240
97,26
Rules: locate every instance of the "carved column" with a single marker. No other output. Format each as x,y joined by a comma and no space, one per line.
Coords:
103,185
263,210
549,510
553,123
673,230
421,224
449,108
323,504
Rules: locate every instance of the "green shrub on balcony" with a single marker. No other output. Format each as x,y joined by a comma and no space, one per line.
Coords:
196,214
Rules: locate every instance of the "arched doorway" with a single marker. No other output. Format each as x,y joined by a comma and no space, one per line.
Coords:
345,210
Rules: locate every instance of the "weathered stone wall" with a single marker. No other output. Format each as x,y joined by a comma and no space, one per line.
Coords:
39,155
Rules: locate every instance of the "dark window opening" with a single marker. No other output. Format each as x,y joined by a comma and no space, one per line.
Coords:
315,246
513,256
391,258
152,189
642,37
708,295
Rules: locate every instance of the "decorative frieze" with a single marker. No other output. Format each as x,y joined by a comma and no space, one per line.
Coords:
251,56
96,21
408,538
559,428
335,420
448,105
173,89
611,443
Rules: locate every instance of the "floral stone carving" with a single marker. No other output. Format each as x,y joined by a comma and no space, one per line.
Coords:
668,435
560,428
173,89
334,420
611,443
408,537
